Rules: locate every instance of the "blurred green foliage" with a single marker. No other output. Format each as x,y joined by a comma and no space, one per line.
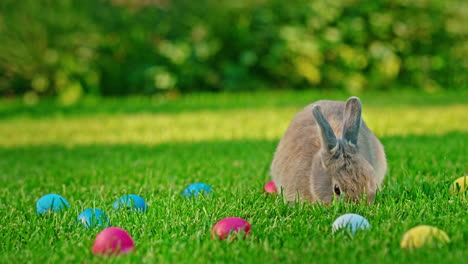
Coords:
69,48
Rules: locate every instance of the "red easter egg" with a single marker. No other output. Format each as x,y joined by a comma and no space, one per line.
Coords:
113,241
230,224
270,187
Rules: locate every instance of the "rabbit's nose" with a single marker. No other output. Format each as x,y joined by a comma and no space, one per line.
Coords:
342,197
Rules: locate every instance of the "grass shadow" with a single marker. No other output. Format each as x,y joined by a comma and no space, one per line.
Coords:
221,101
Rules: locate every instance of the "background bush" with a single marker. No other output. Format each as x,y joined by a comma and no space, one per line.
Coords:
117,47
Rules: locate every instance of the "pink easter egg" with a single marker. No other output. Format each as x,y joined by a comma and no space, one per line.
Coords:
270,187
113,241
230,224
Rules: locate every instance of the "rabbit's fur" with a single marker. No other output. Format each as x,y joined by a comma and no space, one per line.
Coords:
328,144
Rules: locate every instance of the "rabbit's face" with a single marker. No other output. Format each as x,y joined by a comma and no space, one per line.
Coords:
350,175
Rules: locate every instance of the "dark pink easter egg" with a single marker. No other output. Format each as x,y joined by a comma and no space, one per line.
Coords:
230,224
113,241
270,187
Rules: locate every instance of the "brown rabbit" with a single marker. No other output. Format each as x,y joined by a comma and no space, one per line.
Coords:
328,150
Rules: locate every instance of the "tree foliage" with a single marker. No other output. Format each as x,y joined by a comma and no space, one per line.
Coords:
116,47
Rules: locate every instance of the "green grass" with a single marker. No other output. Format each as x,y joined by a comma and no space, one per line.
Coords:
97,151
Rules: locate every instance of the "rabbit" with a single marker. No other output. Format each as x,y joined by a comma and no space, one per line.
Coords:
329,151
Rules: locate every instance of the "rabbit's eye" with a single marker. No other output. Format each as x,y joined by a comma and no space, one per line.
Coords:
337,190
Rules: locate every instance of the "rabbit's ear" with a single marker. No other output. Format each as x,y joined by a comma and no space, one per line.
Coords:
326,132
352,120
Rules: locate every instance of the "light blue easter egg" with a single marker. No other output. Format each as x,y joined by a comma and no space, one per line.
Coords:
93,217
51,203
196,188
131,202
352,222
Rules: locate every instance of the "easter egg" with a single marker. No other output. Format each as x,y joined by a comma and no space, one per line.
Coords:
460,185
350,222
51,203
225,226
131,202
92,218
113,241
423,235
270,187
196,188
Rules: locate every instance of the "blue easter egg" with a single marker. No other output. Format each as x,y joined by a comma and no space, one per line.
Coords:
352,222
131,202
93,217
196,188
51,203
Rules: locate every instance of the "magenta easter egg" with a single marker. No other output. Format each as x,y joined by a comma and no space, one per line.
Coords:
230,224
270,187
113,241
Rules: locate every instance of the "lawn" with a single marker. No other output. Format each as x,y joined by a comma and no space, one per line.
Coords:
100,149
